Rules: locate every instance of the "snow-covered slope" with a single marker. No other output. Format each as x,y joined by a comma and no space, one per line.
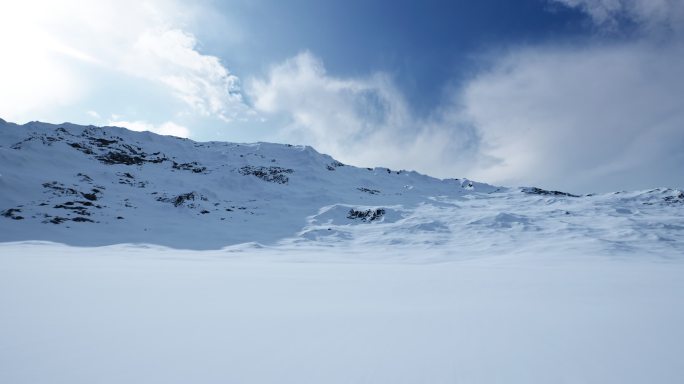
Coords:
86,185
319,272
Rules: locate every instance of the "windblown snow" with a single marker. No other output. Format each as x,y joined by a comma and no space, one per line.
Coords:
133,257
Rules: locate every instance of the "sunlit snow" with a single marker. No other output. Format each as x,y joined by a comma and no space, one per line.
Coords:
132,257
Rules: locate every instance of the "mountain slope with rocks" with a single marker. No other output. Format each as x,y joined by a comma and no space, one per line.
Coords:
87,185
138,258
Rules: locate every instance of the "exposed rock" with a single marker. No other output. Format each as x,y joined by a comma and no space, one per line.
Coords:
111,158
369,191
58,220
82,220
59,188
192,166
367,215
128,179
539,191
333,165
89,196
79,210
270,174
182,199
12,214
81,148
676,199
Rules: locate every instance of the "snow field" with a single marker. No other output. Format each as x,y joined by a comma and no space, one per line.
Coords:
265,315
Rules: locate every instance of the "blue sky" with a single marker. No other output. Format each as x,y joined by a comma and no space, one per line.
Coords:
424,45
584,95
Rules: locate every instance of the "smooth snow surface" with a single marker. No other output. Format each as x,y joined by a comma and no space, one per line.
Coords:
185,262
127,314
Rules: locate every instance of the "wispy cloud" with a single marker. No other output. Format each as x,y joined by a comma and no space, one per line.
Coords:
362,121
170,57
55,52
591,117
93,114
651,15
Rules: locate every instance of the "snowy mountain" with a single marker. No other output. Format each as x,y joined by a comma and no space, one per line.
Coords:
287,266
87,185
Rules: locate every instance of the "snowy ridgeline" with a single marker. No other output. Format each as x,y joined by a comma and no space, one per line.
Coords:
97,186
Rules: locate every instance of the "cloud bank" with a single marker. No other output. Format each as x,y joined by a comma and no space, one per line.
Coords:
594,118
588,117
593,115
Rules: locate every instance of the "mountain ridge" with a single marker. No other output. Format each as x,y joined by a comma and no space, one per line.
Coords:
88,185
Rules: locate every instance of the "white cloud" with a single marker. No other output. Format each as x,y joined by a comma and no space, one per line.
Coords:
361,121
590,118
169,56
168,128
652,15
93,114
53,50
596,117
